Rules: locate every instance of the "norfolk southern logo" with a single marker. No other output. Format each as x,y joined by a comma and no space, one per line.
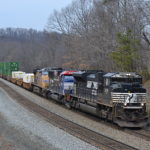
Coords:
131,98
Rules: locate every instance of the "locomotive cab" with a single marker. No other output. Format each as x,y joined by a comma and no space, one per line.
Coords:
66,82
128,98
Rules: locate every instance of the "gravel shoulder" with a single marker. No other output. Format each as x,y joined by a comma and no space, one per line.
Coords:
23,130
12,138
84,121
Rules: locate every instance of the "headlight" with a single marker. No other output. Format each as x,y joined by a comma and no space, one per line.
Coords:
142,104
125,104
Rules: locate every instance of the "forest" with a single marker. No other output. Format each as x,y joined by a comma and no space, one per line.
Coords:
109,35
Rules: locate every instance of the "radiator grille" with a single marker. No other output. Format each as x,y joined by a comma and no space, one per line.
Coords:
121,97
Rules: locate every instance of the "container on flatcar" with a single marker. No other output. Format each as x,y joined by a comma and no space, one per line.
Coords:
8,67
18,74
28,78
17,77
1,69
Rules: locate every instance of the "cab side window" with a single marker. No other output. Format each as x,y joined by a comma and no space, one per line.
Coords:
107,82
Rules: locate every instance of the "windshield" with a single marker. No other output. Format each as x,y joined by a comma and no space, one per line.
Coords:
130,86
127,80
127,87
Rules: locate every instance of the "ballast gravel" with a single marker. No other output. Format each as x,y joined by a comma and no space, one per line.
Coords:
33,131
12,138
118,135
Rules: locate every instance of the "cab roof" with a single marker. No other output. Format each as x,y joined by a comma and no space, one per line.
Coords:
122,75
66,73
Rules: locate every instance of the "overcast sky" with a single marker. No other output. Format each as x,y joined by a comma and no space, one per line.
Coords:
28,13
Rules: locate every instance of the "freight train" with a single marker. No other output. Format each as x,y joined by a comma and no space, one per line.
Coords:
115,96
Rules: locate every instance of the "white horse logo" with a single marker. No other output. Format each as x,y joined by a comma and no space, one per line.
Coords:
131,98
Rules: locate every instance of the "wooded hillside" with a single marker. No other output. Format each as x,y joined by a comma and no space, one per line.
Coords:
112,35
31,48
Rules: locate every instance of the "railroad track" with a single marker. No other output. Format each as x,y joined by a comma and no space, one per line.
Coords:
96,139
143,133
